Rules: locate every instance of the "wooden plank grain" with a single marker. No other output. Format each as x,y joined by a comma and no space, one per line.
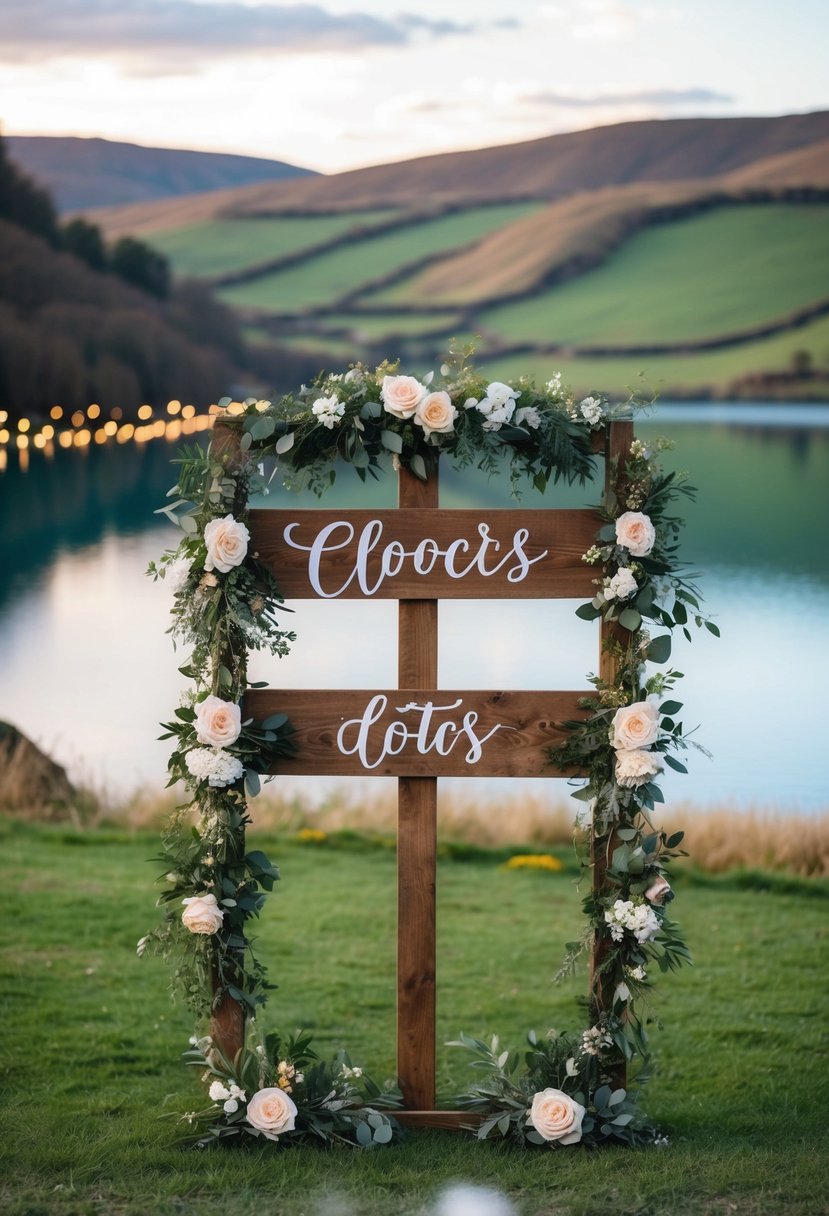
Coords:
520,725
411,553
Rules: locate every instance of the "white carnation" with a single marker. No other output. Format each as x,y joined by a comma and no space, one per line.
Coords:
176,574
329,411
214,765
218,1092
635,766
591,410
622,585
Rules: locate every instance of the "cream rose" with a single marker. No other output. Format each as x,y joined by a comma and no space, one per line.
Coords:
401,395
271,1112
436,413
227,544
218,722
635,532
202,914
659,892
555,1116
636,725
635,767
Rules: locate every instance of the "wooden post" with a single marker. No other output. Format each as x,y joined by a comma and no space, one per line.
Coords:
617,446
417,650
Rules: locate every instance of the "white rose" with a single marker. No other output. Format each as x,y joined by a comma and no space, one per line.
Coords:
634,767
401,395
635,532
622,585
436,413
636,725
659,892
528,416
218,722
218,1092
271,1112
555,1116
501,394
227,544
202,914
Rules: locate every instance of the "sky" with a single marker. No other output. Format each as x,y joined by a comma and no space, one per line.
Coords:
340,84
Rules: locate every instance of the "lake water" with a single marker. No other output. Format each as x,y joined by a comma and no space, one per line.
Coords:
87,670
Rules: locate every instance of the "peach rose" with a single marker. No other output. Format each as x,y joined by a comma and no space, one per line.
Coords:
401,395
659,892
218,722
227,544
272,1112
202,914
555,1116
635,532
636,725
436,413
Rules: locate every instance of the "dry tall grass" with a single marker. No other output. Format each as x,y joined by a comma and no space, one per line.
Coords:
717,840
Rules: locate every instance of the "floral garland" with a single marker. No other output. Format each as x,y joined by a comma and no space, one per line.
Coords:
225,603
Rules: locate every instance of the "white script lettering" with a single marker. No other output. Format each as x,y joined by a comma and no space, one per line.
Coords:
397,734
338,535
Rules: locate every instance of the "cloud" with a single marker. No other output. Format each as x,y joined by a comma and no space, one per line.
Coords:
652,97
31,30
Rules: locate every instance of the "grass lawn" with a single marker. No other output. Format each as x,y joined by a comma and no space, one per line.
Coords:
721,272
221,246
90,1043
324,279
666,372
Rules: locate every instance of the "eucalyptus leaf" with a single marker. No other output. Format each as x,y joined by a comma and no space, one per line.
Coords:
391,441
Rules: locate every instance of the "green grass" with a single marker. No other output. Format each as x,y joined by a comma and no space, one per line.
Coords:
722,272
378,326
324,279
90,1042
664,372
221,246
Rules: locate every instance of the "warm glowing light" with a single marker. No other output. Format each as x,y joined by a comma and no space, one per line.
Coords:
188,411
78,418
4,414
117,413
204,422
261,406
236,407
173,407
47,431
83,438
39,441
23,425
145,412
56,412
93,411
143,433
101,435
110,427
22,442
4,436
174,429
4,459
23,457
125,432
65,439
158,428
214,409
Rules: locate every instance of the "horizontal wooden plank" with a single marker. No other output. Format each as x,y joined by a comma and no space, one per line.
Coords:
417,733
447,1120
427,554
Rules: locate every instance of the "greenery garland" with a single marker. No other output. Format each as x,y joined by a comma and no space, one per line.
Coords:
225,603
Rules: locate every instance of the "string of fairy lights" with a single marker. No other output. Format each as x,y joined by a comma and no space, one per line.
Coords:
81,429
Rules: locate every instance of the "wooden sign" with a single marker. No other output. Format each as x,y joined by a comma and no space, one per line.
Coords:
417,733
404,555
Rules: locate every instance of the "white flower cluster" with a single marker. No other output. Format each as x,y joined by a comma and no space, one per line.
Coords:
554,385
498,406
595,1040
350,1074
230,1098
637,973
529,416
329,411
621,586
591,410
638,918
176,574
214,765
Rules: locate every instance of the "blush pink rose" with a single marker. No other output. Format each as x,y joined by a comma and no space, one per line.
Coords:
218,722
436,413
635,725
659,892
636,533
202,914
272,1112
227,544
555,1116
401,395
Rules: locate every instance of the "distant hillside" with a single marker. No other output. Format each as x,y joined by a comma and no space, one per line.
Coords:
84,173
550,168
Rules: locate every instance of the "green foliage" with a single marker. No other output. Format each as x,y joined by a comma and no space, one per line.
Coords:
23,202
85,241
143,267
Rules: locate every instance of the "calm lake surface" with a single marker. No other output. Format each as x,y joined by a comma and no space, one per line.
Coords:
87,670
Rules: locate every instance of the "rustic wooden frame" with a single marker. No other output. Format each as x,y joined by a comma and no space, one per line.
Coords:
418,501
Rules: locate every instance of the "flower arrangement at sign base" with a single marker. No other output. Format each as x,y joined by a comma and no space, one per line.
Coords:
561,1091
